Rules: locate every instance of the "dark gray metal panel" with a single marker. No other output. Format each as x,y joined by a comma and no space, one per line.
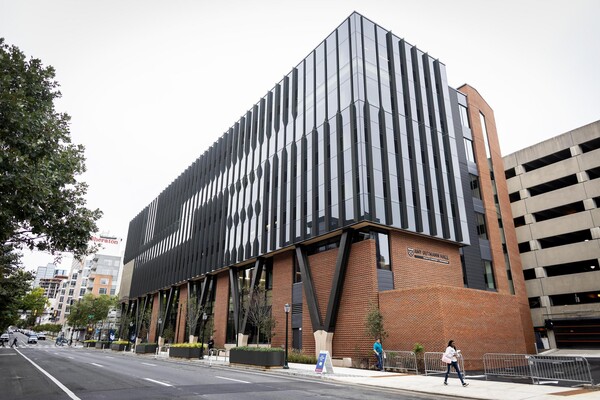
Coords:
309,291
473,266
485,249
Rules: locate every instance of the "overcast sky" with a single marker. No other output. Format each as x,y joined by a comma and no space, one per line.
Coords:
150,84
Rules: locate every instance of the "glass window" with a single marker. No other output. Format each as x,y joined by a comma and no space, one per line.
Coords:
475,189
104,281
485,134
489,274
464,115
481,226
469,150
383,251
102,291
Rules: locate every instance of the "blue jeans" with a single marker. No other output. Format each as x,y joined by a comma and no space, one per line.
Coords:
380,361
455,365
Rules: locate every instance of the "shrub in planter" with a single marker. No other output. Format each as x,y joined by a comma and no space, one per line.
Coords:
260,356
297,356
120,345
146,348
186,350
89,343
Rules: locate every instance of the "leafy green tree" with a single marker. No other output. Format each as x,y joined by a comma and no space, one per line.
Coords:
53,328
42,204
90,310
34,303
14,284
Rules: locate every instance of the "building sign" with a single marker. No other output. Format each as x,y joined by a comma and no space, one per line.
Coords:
103,239
428,255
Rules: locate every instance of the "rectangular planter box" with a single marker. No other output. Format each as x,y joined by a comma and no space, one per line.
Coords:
145,348
89,344
185,352
259,358
120,347
102,345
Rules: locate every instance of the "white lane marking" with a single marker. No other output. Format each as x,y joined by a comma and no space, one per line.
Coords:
71,358
109,357
152,365
53,379
8,354
159,382
230,379
97,365
548,383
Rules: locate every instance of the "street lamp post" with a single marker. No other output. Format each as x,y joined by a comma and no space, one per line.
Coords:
204,318
286,308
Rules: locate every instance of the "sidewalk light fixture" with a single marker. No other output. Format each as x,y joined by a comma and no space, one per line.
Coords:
286,308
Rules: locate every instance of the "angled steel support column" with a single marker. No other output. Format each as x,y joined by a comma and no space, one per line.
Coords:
337,284
256,273
167,310
207,287
309,290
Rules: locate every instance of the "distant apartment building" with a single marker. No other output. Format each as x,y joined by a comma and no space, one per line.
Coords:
50,279
98,274
555,197
43,272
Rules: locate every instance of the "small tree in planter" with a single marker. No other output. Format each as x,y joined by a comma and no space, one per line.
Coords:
194,312
259,314
418,349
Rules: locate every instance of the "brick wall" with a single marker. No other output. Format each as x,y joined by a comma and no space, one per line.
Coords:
480,322
180,329
221,308
154,319
283,270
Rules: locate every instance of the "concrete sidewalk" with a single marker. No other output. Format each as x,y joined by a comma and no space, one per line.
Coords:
477,389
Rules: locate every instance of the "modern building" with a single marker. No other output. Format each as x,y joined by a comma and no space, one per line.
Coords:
360,181
555,194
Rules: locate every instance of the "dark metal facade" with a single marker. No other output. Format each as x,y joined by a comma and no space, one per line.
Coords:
361,130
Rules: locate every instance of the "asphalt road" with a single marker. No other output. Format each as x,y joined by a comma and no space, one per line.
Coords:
44,371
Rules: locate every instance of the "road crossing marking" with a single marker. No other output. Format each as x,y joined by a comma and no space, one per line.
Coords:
152,365
97,365
159,382
230,379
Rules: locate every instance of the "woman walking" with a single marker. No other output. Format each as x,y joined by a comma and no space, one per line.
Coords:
450,359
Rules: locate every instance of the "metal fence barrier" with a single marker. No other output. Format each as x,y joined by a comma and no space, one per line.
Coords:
538,368
510,365
401,361
435,366
560,368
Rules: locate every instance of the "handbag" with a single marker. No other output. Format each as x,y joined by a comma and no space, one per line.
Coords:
446,359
